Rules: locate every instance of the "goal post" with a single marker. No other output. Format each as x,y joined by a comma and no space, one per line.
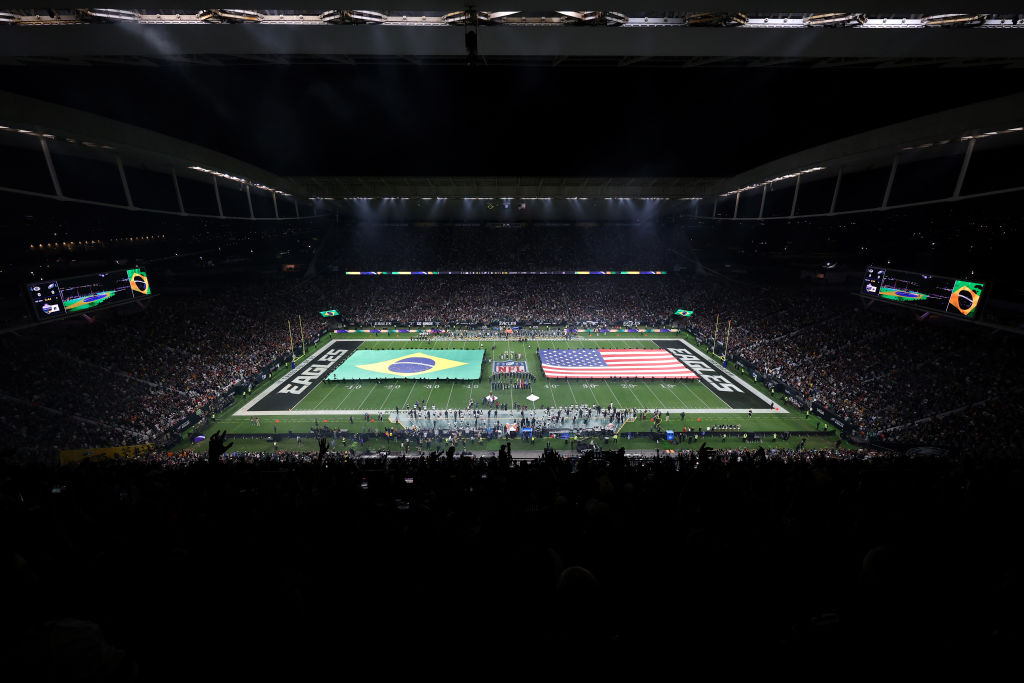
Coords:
714,342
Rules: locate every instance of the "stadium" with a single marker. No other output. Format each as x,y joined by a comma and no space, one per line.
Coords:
331,332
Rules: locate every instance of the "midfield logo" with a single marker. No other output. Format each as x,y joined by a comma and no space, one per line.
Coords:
507,366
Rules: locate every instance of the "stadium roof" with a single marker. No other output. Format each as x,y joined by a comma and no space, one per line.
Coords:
661,33
312,104
40,126
1003,115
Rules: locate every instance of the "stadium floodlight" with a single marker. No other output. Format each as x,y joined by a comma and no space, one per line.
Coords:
594,17
470,16
229,16
460,17
604,18
333,16
105,15
835,19
716,19
954,20
353,16
239,15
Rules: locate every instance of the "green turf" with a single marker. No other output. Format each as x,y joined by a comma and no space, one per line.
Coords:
387,395
381,398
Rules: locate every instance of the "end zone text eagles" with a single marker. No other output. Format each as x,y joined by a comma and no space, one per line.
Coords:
311,375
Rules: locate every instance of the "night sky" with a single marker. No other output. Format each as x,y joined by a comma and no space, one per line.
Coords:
576,121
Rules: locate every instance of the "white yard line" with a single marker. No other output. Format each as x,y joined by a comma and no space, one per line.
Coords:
640,403
614,395
329,392
697,397
656,397
427,399
669,387
393,387
365,398
411,389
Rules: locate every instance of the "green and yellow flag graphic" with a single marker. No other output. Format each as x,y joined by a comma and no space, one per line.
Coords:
411,364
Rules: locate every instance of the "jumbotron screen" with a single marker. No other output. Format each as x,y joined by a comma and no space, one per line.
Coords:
73,295
936,293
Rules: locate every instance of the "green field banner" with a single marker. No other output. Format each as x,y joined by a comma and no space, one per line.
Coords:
411,364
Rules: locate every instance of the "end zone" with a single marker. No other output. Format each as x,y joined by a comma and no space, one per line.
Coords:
725,384
292,387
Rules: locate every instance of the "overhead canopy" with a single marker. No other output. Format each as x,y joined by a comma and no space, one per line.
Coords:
879,146
660,32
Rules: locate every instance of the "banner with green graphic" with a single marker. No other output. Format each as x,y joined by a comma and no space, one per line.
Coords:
411,364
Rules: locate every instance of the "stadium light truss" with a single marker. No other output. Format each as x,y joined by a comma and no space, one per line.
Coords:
514,18
836,19
979,136
719,19
110,14
353,16
962,138
773,180
237,179
51,136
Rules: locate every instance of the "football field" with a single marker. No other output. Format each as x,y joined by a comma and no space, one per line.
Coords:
714,390
295,400
385,395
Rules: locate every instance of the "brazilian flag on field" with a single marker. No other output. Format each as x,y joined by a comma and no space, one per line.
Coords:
411,364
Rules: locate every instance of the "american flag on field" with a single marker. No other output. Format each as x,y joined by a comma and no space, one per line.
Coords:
584,363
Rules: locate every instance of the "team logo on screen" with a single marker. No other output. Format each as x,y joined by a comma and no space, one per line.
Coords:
139,281
965,296
412,364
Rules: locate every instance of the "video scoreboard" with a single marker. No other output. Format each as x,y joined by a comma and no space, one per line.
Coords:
937,293
73,295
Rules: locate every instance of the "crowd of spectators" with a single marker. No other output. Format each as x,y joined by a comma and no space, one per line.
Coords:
151,568
493,299
880,368
130,378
